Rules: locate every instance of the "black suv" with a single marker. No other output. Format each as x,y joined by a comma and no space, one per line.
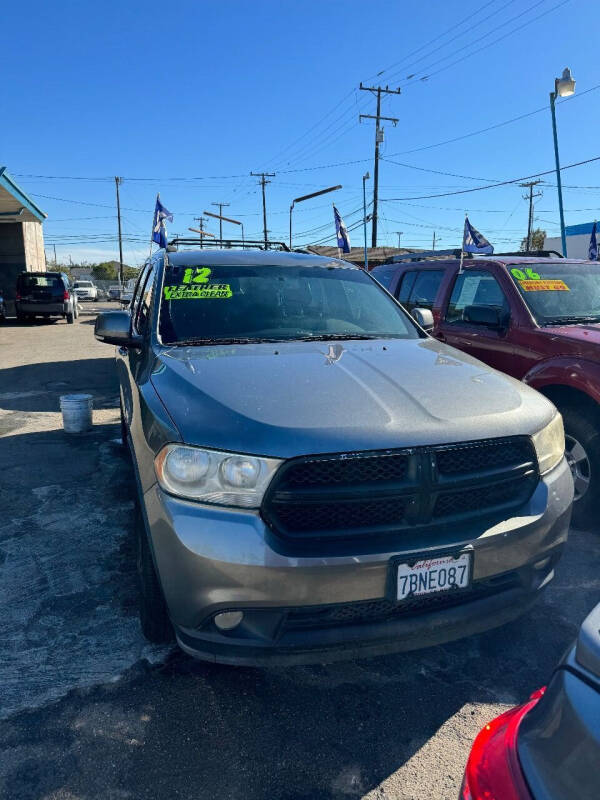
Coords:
45,294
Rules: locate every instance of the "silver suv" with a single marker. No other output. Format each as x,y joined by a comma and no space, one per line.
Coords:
317,477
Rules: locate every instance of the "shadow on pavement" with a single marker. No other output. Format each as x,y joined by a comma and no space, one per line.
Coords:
68,585
37,387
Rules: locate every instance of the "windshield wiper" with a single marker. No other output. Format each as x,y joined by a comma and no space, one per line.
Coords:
215,341
570,320
328,337
319,337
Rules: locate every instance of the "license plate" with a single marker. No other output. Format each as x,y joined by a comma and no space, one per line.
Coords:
433,575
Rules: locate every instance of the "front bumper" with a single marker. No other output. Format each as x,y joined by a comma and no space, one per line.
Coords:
212,560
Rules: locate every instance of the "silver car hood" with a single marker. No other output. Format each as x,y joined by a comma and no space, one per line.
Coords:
303,398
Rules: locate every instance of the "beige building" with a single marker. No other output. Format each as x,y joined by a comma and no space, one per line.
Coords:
21,235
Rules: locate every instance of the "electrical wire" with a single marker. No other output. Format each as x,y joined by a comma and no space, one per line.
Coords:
469,18
492,185
480,37
437,171
471,53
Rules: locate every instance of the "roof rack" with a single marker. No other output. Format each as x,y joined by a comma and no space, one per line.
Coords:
424,255
228,244
535,253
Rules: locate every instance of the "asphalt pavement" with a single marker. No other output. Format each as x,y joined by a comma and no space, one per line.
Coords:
90,711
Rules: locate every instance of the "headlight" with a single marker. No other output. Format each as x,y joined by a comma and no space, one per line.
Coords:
210,476
549,444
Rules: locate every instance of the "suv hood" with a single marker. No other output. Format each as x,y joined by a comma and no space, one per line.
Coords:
302,398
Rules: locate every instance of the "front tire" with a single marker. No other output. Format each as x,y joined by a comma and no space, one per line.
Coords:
154,617
582,435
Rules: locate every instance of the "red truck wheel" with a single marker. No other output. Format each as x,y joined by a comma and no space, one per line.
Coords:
582,435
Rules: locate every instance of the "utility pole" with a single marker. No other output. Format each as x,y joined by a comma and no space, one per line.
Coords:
433,248
221,207
118,182
529,185
55,261
377,90
399,235
263,182
200,221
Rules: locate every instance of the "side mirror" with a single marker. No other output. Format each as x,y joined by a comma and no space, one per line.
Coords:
423,317
489,316
114,327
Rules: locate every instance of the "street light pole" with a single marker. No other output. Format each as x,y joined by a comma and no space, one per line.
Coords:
366,177
399,235
563,87
309,197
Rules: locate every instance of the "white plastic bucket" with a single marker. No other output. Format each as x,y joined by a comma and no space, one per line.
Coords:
77,412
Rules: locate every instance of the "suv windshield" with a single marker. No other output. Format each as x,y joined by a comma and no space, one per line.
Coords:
559,292
241,303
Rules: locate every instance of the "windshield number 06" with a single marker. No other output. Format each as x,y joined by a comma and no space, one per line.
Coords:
529,274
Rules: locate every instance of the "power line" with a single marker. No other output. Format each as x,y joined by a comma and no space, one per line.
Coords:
460,24
493,185
437,171
480,37
303,169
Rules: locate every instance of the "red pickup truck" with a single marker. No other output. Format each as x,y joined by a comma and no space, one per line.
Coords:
535,318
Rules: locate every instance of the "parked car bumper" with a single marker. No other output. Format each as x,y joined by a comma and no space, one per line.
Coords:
312,606
49,309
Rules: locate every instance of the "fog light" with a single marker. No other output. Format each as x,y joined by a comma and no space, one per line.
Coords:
228,620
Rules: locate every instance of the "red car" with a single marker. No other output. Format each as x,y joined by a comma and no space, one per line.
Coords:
548,748
535,318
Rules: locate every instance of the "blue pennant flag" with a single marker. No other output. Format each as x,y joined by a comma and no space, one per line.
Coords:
593,250
474,242
343,240
159,232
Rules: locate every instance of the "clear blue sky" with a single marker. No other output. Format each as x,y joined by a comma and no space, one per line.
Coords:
211,90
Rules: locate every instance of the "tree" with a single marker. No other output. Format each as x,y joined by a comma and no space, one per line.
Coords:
538,237
109,271
105,271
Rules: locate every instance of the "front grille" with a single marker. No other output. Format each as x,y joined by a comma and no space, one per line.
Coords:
336,516
348,495
381,610
351,469
476,456
449,503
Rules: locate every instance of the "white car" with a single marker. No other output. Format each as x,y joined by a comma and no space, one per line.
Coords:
85,290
